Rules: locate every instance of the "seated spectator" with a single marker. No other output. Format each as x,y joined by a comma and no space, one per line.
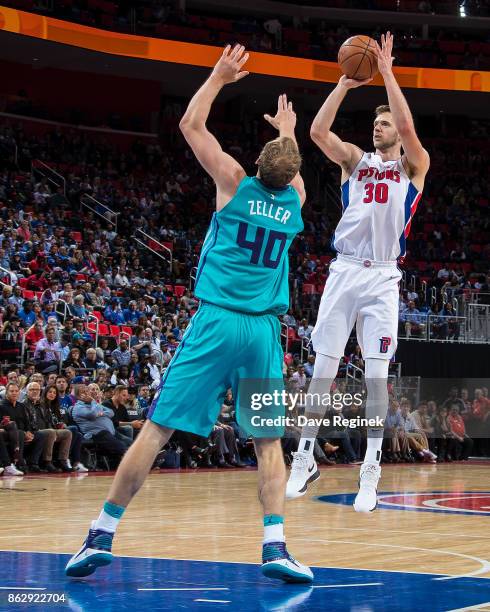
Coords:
114,313
141,371
394,433
26,314
155,372
74,359
31,440
443,436
416,437
33,335
127,425
121,376
453,324
42,423
48,353
91,361
10,452
95,422
463,443
310,366
78,309
414,321
299,379
143,401
356,358
122,354
49,417
304,329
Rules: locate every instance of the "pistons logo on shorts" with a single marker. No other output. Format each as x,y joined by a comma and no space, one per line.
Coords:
384,344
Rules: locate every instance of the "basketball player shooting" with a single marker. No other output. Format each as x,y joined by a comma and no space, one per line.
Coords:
242,284
380,192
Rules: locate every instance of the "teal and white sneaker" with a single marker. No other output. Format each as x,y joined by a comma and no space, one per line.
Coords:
95,552
278,563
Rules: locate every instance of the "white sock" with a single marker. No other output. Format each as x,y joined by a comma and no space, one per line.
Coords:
109,517
274,533
106,522
373,451
306,445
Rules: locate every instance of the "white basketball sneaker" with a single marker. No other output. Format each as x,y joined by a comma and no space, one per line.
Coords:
367,499
304,471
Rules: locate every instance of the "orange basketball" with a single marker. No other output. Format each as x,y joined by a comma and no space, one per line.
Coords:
358,58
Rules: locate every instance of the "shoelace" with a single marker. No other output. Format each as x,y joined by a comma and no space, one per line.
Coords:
300,463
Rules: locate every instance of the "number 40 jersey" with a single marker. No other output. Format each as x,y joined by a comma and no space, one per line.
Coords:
378,202
244,262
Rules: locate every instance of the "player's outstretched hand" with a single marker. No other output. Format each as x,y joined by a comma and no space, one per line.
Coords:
229,66
285,115
385,59
352,83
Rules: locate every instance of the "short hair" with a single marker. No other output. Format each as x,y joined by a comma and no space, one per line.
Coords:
29,386
119,388
383,108
279,162
11,384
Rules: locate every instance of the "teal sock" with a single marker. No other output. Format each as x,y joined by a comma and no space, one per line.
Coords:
273,528
109,517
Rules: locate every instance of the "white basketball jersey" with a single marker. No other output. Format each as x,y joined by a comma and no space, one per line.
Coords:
378,202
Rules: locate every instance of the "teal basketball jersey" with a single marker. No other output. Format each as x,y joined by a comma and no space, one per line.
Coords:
244,262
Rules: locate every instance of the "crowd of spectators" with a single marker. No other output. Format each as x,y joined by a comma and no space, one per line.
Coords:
301,36
90,319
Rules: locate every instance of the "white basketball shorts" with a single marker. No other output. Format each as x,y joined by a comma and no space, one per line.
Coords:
363,292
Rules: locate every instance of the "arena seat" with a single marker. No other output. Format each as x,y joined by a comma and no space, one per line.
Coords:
103,329
179,290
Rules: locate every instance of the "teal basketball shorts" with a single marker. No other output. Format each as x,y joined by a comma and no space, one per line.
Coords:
224,349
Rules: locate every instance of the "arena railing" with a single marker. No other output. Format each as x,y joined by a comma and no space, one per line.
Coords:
192,278
66,308
285,335
100,209
478,326
5,272
306,348
443,328
47,172
93,320
158,248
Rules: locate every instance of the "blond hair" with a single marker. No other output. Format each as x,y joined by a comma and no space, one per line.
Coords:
279,162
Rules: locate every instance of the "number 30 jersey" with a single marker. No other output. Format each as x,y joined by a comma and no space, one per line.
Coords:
378,202
244,262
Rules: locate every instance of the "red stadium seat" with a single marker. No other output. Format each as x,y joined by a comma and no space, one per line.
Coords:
27,294
127,330
23,282
169,288
97,314
103,329
114,330
308,289
77,236
179,290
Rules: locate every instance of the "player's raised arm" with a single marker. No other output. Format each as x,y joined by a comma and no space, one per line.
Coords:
415,154
342,153
284,122
225,171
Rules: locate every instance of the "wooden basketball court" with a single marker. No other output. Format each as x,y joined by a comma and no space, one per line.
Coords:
432,520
